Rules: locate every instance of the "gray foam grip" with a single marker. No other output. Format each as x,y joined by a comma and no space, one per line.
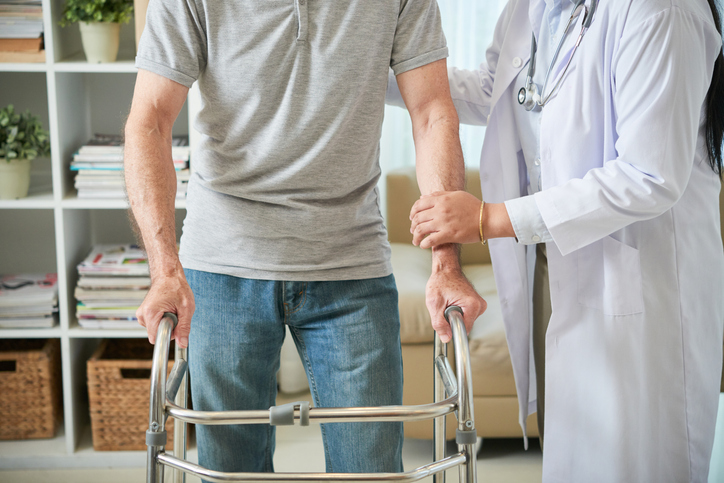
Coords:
466,437
284,415
156,438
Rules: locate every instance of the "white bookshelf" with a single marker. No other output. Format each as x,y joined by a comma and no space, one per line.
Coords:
52,230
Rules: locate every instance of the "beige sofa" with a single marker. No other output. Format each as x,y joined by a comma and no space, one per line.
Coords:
496,403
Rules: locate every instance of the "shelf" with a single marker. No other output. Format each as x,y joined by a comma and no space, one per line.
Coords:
51,453
33,453
40,201
77,63
23,67
29,333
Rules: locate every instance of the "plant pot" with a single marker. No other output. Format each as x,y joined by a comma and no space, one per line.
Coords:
14,178
100,41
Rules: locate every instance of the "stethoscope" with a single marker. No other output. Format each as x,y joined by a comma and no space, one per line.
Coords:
528,96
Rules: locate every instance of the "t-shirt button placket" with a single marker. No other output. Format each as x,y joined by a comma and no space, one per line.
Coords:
302,19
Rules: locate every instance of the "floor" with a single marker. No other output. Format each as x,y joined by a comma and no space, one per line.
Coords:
299,449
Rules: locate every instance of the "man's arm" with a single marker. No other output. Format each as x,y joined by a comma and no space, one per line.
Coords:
151,188
440,167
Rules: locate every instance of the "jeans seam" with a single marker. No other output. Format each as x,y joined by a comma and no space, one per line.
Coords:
301,304
315,392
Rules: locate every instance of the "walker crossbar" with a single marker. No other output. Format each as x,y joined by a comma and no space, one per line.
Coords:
169,399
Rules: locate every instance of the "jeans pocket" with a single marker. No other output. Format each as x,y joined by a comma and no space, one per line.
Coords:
609,278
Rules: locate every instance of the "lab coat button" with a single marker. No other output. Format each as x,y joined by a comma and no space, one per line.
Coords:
535,238
488,117
517,62
537,161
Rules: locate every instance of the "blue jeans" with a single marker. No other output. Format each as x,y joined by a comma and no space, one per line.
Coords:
348,336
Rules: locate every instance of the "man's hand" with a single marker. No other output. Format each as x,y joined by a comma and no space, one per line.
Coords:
168,294
445,217
448,287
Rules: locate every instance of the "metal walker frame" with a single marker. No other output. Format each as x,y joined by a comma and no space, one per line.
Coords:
452,394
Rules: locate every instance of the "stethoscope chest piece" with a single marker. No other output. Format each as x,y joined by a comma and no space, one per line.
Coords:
528,96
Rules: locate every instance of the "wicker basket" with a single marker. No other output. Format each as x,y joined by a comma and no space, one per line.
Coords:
29,388
119,381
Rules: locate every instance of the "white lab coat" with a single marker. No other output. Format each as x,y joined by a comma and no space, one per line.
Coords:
634,345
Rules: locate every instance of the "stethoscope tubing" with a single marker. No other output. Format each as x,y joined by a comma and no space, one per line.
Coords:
542,99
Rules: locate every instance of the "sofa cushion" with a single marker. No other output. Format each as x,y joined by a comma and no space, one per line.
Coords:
489,356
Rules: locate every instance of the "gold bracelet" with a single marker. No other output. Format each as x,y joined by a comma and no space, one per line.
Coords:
482,237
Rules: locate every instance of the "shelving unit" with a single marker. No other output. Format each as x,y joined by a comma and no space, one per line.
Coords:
52,230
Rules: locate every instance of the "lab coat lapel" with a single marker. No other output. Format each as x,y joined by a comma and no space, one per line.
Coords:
515,46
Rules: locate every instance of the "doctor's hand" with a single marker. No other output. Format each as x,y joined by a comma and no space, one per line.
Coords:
445,217
448,286
169,293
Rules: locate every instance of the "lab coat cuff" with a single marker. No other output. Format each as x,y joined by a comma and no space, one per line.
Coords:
527,221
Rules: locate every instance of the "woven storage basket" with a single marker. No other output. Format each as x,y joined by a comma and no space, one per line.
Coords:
119,381
29,388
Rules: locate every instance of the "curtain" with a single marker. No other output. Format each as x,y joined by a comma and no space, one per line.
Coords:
468,27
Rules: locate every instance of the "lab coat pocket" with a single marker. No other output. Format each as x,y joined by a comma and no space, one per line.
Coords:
609,278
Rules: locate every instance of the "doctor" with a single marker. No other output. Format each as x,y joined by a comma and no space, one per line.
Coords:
600,172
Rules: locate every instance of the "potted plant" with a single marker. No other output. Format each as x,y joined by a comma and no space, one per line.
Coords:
100,25
22,138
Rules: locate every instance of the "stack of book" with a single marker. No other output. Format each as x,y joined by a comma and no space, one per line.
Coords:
113,281
21,31
28,300
99,166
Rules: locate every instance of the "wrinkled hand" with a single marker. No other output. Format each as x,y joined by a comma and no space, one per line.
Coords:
168,294
450,287
445,217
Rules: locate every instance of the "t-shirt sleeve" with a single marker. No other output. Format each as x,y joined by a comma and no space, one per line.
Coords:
419,39
173,43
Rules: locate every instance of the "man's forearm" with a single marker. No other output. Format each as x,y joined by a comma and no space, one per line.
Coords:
151,188
440,165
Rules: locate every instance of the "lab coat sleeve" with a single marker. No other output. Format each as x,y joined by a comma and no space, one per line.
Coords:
467,94
471,90
662,73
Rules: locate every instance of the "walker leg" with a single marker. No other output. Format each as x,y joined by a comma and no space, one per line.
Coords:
179,427
156,434
439,430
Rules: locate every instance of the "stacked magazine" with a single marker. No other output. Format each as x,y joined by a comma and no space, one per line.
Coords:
21,21
28,300
113,281
99,165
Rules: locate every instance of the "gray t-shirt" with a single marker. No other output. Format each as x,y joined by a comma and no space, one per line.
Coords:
285,175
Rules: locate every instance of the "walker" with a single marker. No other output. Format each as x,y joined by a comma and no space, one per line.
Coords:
168,398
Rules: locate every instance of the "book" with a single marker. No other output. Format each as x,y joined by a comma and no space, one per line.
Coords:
28,300
97,282
126,259
112,166
21,45
85,312
110,294
28,322
109,324
28,310
29,290
23,57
